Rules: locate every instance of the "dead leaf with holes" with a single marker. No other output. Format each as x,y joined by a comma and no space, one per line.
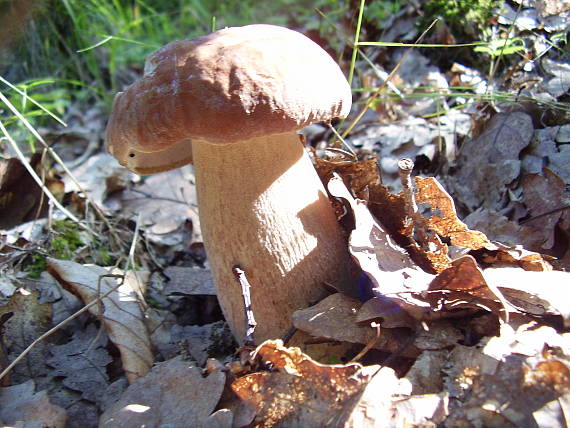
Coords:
298,391
120,311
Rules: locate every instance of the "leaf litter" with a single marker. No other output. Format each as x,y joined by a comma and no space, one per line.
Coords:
467,317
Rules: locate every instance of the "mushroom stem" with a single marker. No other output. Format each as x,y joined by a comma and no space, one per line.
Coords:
264,208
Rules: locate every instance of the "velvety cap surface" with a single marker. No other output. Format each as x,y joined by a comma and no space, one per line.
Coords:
231,85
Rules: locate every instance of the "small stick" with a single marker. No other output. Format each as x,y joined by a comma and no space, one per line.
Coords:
370,344
250,323
405,167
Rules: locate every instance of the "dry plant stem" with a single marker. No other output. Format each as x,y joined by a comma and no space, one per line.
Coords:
250,323
370,344
405,167
96,301
264,208
38,180
56,157
383,85
61,324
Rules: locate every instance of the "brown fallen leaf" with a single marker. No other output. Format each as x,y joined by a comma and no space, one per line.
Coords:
534,293
521,378
490,162
443,219
541,194
21,406
21,199
387,265
335,317
174,393
120,312
387,402
462,286
298,391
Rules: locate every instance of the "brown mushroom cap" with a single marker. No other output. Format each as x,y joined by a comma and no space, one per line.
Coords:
231,85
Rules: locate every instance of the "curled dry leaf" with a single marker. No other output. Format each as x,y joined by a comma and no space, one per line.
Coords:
298,391
396,277
20,406
120,311
174,394
462,286
387,265
21,199
358,175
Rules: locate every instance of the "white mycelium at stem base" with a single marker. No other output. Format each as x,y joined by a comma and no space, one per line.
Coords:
231,101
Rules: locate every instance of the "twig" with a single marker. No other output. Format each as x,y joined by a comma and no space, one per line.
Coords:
375,95
38,180
56,157
97,300
61,324
250,323
547,213
370,344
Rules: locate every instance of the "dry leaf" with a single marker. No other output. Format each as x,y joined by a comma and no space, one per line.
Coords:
443,219
120,312
390,314
535,293
174,393
462,286
82,363
386,402
297,391
500,228
21,199
335,317
541,194
512,381
387,265
489,163
189,281
21,406
29,320
165,202
99,176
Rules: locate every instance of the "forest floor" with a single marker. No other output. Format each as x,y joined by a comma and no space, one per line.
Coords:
474,334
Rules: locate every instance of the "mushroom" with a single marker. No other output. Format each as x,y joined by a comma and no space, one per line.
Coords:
233,101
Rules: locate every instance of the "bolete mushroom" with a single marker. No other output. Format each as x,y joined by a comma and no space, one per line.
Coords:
233,102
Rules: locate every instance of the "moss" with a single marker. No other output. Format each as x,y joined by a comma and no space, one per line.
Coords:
65,241
462,16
